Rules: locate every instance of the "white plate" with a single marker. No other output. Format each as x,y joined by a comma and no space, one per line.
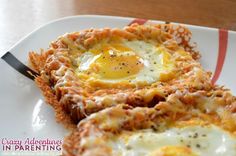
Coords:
23,111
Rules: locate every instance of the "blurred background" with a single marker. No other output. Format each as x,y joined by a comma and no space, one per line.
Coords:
20,17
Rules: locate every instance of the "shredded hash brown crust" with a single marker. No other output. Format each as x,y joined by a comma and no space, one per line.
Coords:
73,99
198,108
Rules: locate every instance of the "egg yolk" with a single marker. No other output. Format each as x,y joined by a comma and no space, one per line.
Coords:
116,61
173,151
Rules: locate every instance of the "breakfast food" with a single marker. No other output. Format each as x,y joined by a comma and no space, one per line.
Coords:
87,71
136,91
186,124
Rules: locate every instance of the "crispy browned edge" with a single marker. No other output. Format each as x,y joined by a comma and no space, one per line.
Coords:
51,99
36,62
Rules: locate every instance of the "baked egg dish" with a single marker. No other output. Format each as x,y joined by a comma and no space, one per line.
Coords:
135,91
186,124
140,65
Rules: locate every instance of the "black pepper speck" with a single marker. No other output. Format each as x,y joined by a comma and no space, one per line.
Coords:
203,135
198,146
195,135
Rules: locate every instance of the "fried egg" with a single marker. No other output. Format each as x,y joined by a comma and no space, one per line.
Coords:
186,141
130,61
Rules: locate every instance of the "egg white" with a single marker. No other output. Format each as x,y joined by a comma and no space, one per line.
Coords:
201,140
